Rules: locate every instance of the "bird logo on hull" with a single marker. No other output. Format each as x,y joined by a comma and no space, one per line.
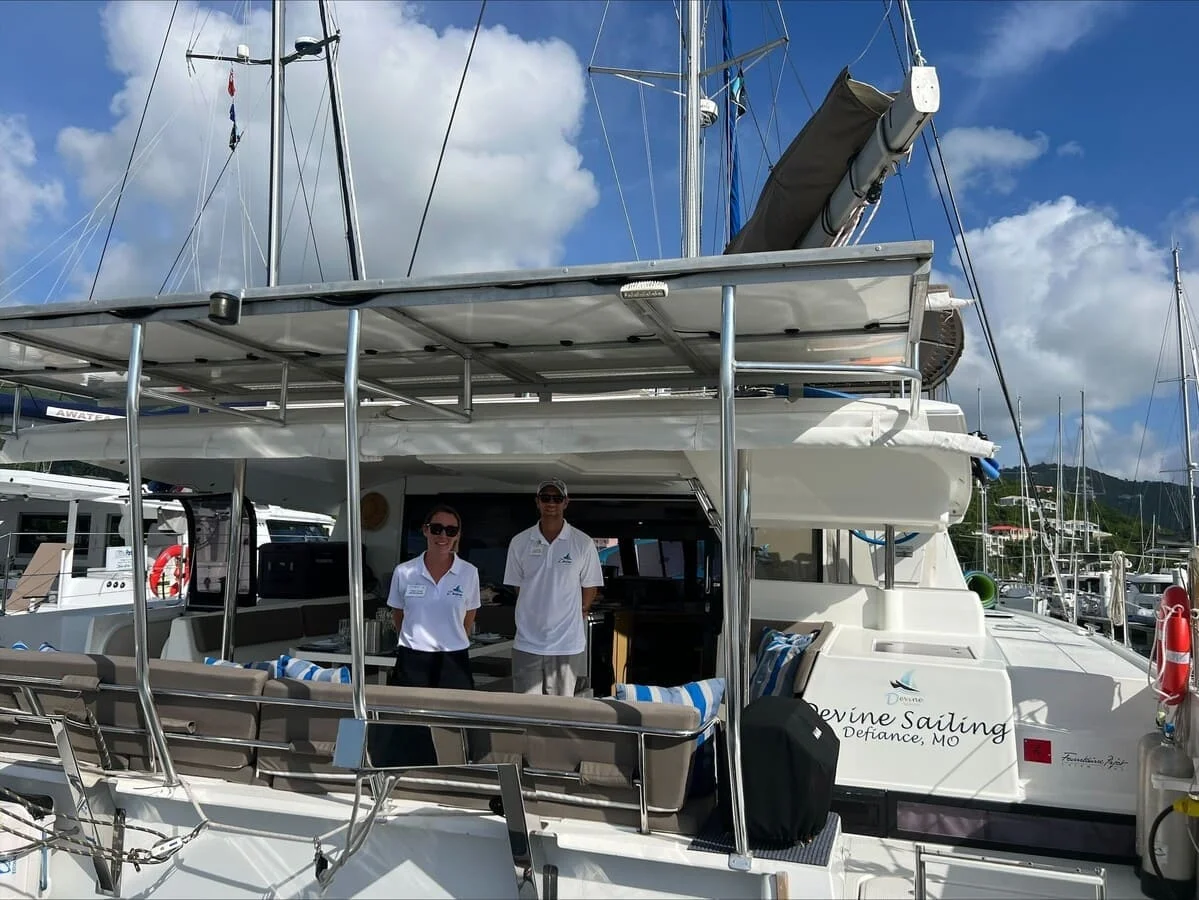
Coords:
904,690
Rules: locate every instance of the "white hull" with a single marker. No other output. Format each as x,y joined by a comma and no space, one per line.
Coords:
260,844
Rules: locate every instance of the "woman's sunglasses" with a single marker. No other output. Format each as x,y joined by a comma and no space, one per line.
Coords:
438,528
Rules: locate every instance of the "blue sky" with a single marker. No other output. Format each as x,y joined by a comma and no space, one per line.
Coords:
1068,149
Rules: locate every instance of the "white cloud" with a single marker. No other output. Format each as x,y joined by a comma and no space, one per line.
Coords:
511,187
1027,33
1070,148
1076,302
988,157
25,198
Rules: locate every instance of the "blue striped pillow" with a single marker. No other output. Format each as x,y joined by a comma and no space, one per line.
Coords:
779,655
303,670
272,667
704,695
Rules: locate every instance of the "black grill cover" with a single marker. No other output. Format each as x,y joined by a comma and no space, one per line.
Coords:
789,764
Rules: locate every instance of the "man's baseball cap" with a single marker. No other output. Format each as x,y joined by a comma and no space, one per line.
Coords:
554,483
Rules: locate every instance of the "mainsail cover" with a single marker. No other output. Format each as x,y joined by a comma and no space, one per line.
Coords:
811,168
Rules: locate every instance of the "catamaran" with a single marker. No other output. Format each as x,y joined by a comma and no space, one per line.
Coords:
974,752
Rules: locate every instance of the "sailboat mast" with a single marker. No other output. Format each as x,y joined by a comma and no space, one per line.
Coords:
1082,456
691,156
274,240
1025,512
982,491
1186,405
349,204
1061,496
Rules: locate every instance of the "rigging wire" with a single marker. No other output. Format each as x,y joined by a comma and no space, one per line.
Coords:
877,28
615,170
1161,352
420,230
196,222
965,259
133,150
301,190
790,60
316,178
649,164
70,249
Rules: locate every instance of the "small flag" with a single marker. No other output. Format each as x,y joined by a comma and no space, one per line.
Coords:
232,89
233,138
232,114
737,93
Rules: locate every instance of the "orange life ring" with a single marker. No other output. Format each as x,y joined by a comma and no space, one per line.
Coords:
1170,660
169,587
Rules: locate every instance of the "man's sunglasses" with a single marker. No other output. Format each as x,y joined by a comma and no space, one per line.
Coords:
550,498
438,528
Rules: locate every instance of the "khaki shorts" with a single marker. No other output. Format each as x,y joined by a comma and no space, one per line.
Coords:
536,674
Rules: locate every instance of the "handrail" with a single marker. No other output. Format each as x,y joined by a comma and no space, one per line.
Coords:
1097,879
886,370
419,716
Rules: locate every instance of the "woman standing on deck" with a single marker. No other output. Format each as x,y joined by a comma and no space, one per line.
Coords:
433,599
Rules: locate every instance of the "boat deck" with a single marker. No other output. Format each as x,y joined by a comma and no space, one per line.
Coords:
1027,640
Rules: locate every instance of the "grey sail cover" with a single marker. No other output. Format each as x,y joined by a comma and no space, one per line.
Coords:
810,169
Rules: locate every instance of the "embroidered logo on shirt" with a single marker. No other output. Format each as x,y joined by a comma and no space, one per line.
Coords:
565,560
456,591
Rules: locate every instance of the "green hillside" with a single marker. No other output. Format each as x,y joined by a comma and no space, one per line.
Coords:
1125,508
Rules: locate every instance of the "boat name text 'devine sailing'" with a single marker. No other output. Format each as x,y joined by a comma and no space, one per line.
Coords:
906,723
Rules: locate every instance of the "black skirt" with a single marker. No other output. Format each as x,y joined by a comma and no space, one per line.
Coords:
402,746
437,668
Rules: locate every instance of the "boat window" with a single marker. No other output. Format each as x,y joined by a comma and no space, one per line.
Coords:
112,530
786,554
609,556
283,531
35,529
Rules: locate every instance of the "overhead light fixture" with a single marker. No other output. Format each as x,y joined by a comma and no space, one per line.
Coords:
224,308
644,290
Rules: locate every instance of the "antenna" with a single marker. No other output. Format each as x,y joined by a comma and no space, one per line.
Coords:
305,48
698,109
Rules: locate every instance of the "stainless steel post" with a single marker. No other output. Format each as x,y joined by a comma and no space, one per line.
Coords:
468,388
284,379
354,514
745,541
889,558
16,409
234,558
133,383
730,546
692,172
350,400
274,238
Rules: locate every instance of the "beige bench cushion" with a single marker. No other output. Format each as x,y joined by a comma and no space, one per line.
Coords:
236,720
606,762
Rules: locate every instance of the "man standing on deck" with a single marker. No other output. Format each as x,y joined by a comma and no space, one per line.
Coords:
556,570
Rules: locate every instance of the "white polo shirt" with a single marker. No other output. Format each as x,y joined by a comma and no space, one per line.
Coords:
434,610
551,578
